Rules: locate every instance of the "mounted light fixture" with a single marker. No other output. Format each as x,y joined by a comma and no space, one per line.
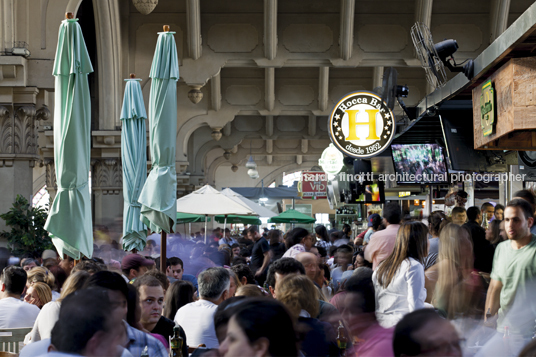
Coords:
234,168
253,173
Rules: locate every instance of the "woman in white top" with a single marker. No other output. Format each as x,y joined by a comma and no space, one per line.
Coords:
50,312
399,280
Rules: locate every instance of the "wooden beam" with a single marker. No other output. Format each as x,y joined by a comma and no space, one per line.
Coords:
269,88
193,23
346,39
270,29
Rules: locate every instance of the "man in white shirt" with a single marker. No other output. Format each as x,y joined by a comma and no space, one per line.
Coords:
197,318
15,313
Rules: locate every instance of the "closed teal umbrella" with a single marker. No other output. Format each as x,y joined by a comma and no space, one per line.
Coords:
133,155
69,218
158,196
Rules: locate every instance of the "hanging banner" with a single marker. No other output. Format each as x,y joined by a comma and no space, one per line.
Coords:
314,185
361,125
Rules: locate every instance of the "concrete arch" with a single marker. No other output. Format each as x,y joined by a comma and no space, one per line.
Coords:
289,168
224,143
184,133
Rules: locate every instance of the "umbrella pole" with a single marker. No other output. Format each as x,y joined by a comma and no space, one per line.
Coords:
163,253
206,219
224,224
185,230
189,230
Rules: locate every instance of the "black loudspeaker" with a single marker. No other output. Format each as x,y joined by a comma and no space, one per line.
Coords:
527,164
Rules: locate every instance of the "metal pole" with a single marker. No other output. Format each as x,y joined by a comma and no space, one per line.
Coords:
224,225
163,254
206,220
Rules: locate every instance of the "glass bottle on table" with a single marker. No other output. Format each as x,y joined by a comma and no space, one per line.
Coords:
342,341
175,343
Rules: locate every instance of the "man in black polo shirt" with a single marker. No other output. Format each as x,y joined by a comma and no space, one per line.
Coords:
260,254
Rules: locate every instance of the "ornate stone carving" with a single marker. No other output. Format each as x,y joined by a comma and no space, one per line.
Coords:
107,176
24,134
6,131
43,114
50,176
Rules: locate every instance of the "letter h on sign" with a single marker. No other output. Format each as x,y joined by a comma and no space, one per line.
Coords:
352,114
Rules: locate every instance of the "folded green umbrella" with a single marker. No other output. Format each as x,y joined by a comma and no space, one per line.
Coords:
159,194
292,216
69,218
239,219
190,218
133,156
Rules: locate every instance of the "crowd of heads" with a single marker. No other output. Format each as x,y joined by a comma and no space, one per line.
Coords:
325,291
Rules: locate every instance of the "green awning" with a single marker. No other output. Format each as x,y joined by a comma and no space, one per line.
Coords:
239,219
190,218
292,216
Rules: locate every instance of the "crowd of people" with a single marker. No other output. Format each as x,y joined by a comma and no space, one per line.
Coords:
459,284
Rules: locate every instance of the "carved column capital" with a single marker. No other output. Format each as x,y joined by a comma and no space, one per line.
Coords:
43,114
25,133
107,176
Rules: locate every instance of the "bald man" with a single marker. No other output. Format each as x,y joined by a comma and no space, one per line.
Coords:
310,263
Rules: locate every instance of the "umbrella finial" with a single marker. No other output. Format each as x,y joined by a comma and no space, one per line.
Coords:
132,75
69,15
166,28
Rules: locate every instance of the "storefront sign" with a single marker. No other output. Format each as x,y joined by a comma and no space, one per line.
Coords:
331,161
361,125
314,185
487,108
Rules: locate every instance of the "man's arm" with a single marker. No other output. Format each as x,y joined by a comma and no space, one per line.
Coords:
493,301
266,261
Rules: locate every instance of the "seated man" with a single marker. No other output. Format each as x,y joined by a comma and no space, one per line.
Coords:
134,265
151,297
424,332
244,273
15,313
175,271
101,334
118,293
197,318
227,239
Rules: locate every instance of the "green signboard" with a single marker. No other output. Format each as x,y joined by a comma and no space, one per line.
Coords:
487,108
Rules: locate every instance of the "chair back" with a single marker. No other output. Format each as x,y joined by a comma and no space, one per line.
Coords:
11,338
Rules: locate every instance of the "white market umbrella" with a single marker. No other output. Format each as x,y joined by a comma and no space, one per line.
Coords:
210,202
259,210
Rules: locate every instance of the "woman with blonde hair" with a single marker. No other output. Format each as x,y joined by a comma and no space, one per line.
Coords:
43,275
50,312
38,294
455,290
399,279
300,296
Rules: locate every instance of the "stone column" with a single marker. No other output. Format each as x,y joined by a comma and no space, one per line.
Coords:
107,191
18,153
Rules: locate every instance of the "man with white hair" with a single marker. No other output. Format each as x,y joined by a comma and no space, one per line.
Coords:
197,318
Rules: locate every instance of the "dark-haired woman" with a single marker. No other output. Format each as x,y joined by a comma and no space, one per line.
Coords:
276,246
399,279
179,294
298,241
260,327
322,237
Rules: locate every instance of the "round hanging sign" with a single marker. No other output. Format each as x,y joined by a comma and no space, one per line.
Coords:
361,125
